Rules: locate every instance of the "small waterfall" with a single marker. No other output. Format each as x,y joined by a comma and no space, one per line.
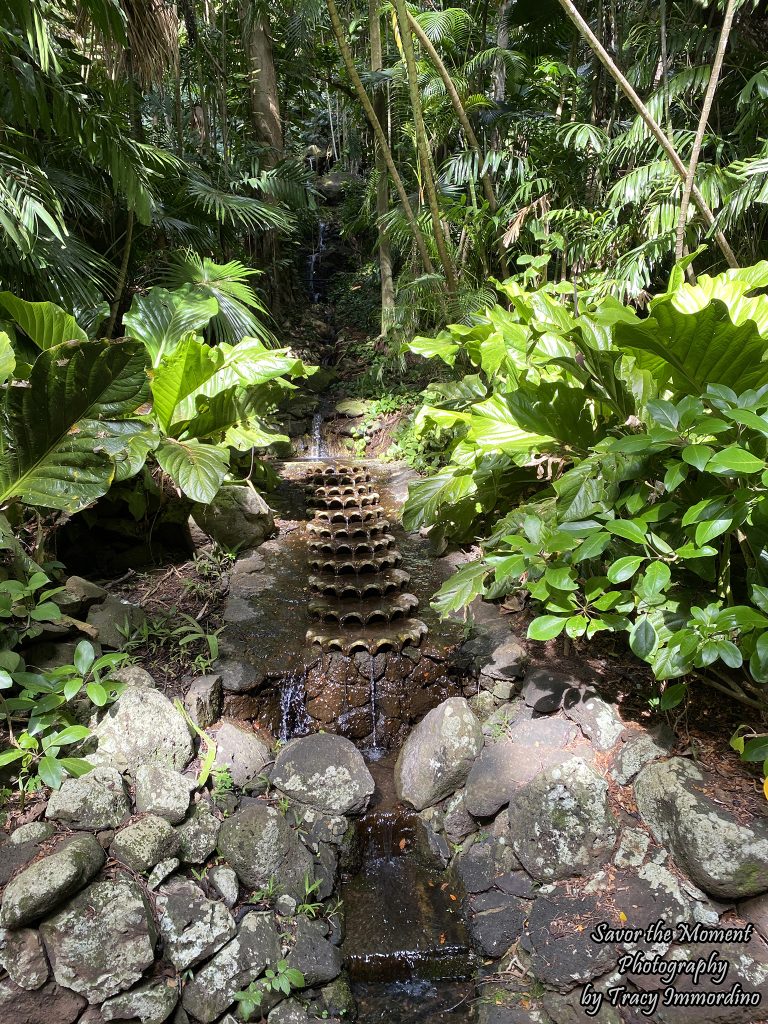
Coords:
294,720
317,446
314,261
374,735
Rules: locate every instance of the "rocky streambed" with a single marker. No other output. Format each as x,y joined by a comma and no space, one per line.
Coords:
495,841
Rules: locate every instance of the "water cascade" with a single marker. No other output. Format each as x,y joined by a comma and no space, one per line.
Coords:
294,720
315,258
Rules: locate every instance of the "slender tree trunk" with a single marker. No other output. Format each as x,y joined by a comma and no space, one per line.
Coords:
658,133
382,182
122,276
378,131
499,78
265,104
709,98
422,146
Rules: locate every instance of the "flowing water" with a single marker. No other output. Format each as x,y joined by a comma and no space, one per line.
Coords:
317,444
294,720
313,263
372,676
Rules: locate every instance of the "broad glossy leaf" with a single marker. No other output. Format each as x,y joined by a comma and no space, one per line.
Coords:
630,529
643,638
493,427
7,357
736,461
673,695
697,455
461,589
427,497
546,627
59,434
198,469
180,374
50,771
161,319
443,345
710,529
624,568
44,323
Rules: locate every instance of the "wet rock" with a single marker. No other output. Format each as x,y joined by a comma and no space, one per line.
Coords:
639,750
505,764
193,928
496,921
437,756
103,940
326,772
289,1012
48,882
224,883
134,675
457,821
723,856
238,517
259,843
151,1003
233,968
312,954
337,998
23,957
598,721
142,727
481,864
163,791
560,822
562,953
240,750
33,832
236,676
566,1008
493,1013
49,1005
145,843
545,691
198,835
112,616
97,800
204,700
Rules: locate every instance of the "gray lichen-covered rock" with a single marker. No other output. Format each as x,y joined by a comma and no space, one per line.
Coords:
199,834
193,927
233,968
204,700
480,865
48,882
145,843
103,940
723,856
142,727
23,957
259,844
163,791
438,754
238,517
639,750
496,921
241,752
111,616
560,822
225,884
326,772
134,675
96,801
32,832
164,869
599,722
312,954
151,1003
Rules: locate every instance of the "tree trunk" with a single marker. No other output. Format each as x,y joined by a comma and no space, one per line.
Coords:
423,146
378,131
265,104
656,130
709,98
382,182
499,79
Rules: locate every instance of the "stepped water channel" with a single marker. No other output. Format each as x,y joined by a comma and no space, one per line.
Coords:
337,623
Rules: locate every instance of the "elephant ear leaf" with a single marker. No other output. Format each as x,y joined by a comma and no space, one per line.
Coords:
7,357
161,319
62,430
198,469
43,322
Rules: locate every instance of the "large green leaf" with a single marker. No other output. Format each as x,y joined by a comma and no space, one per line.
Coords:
180,374
43,322
493,427
61,432
198,469
426,497
689,350
444,345
161,319
7,357
461,588
554,410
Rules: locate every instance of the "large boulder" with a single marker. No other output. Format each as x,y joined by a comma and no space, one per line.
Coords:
237,518
259,844
103,940
48,1005
199,834
437,756
193,927
241,752
142,727
233,968
163,791
722,855
145,843
560,822
326,772
115,620
312,954
96,801
48,882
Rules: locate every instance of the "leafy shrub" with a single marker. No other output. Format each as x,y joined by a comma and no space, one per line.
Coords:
618,470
